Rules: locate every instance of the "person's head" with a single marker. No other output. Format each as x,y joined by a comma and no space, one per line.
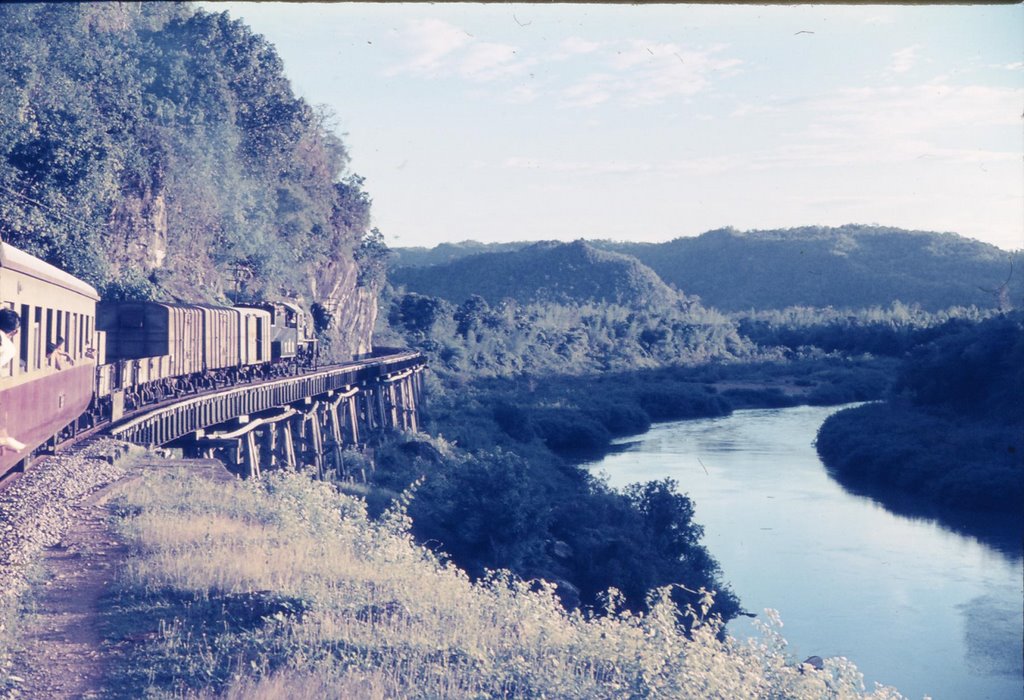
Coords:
9,321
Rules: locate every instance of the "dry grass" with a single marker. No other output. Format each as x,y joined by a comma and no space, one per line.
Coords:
382,617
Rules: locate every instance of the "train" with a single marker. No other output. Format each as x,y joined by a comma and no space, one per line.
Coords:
80,360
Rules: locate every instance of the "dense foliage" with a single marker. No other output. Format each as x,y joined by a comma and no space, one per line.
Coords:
892,331
154,149
475,339
520,390
953,430
543,518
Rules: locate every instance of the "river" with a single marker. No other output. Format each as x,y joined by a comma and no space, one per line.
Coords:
913,604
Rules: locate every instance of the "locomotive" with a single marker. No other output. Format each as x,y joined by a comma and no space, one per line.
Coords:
117,356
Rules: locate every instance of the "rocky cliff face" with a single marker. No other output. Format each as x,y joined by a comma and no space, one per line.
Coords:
352,309
138,232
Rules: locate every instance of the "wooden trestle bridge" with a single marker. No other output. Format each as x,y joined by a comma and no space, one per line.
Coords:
306,419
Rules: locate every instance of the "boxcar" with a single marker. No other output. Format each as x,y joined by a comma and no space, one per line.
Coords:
254,338
291,330
221,346
163,340
40,396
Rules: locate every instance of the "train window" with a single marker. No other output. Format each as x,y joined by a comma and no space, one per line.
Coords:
26,336
37,339
48,330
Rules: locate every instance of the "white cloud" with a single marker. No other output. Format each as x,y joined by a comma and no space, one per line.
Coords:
592,90
925,108
439,49
701,165
523,94
486,61
577,167
904,59
575,46
432,42
644,73
632,72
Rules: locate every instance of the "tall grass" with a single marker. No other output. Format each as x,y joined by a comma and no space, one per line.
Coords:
284,588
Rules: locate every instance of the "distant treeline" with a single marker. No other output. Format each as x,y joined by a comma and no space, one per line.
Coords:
475,339
890,331
952,429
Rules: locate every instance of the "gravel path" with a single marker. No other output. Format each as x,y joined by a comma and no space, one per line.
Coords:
60,658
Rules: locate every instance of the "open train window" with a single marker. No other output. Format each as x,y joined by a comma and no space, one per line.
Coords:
25,336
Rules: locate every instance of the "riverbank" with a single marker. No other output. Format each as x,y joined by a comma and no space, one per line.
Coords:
579,416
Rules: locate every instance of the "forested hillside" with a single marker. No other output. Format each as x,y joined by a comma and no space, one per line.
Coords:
558,272
447,252
157,150
849,267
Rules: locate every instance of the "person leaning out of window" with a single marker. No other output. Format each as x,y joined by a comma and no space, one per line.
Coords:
56,355
10,324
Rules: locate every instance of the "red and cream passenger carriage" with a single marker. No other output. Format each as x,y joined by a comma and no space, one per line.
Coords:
40,396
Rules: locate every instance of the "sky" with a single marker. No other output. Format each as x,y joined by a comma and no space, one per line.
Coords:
506,122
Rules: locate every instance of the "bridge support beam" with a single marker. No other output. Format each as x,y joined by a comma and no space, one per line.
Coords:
311,431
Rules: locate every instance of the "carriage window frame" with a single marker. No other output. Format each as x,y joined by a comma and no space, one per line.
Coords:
37,336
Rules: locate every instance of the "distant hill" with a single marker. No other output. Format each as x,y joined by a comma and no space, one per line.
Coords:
560,272
846,267
447,252
849,266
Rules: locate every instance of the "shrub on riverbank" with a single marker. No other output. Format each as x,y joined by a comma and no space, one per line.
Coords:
544,518
952,432
942,458
286,589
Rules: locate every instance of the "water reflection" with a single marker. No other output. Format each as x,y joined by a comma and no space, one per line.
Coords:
915,604
1000,531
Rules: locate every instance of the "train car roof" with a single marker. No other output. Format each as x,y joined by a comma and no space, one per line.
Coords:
14,259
